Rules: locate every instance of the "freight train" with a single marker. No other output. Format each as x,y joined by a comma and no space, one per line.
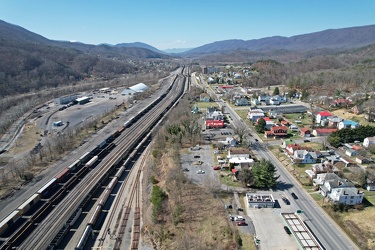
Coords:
54,188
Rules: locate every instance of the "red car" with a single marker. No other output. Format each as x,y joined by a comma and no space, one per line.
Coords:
241,223
217,168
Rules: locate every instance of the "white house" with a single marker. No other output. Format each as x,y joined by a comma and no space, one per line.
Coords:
340,191
254,116
322,116
368,141
347,124
346,195
304,156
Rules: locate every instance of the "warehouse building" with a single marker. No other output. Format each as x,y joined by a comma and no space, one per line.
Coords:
83,100
140,87
65,99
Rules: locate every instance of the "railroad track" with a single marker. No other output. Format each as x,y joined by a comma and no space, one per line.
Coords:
51,225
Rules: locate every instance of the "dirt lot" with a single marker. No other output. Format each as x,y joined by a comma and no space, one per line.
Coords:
195,216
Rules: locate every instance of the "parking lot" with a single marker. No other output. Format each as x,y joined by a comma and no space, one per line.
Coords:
269,225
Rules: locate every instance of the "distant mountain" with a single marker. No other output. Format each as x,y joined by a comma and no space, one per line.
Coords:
139,45
345,38
30,61
176,50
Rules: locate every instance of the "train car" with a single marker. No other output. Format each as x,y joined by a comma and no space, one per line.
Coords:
9,220
24,207
115,134
74,165
61,176
82,241
102,144
103,200
92,161
94,217
112,183
121,130
84,157
47,187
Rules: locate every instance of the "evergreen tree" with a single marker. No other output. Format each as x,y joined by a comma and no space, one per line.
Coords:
260,127
276,91
264,174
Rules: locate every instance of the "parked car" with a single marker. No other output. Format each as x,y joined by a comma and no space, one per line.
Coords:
200,171
217,168
197,156
294,196
185,170
285,200
229,206
287,230
239,209
239,218
241,223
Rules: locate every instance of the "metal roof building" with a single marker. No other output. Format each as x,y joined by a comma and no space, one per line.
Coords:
140,87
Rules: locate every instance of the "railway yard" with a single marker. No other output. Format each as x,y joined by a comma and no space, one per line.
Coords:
95,199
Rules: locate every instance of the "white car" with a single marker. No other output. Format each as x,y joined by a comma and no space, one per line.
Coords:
239,218
200,171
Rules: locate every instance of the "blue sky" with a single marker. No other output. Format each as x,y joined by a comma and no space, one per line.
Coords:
182,24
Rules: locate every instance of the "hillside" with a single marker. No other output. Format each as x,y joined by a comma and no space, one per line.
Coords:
337,39
30,61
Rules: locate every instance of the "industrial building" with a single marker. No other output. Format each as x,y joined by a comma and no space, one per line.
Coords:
65,99
83,100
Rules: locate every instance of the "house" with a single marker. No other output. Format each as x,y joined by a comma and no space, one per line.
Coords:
293,127
362,160
238,152
204,98
323,131
346,195
291,148
305,132
333,121
304,157
370,183
241,102
254,101
320,116
357,109
285,143
341,191
277,132
240,158
320,178
264,98
348,124
230,141
321,168
351,152
215,115
254,114
368,141
342,102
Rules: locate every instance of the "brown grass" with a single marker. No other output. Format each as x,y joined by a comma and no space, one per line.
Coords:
361,225
202,222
